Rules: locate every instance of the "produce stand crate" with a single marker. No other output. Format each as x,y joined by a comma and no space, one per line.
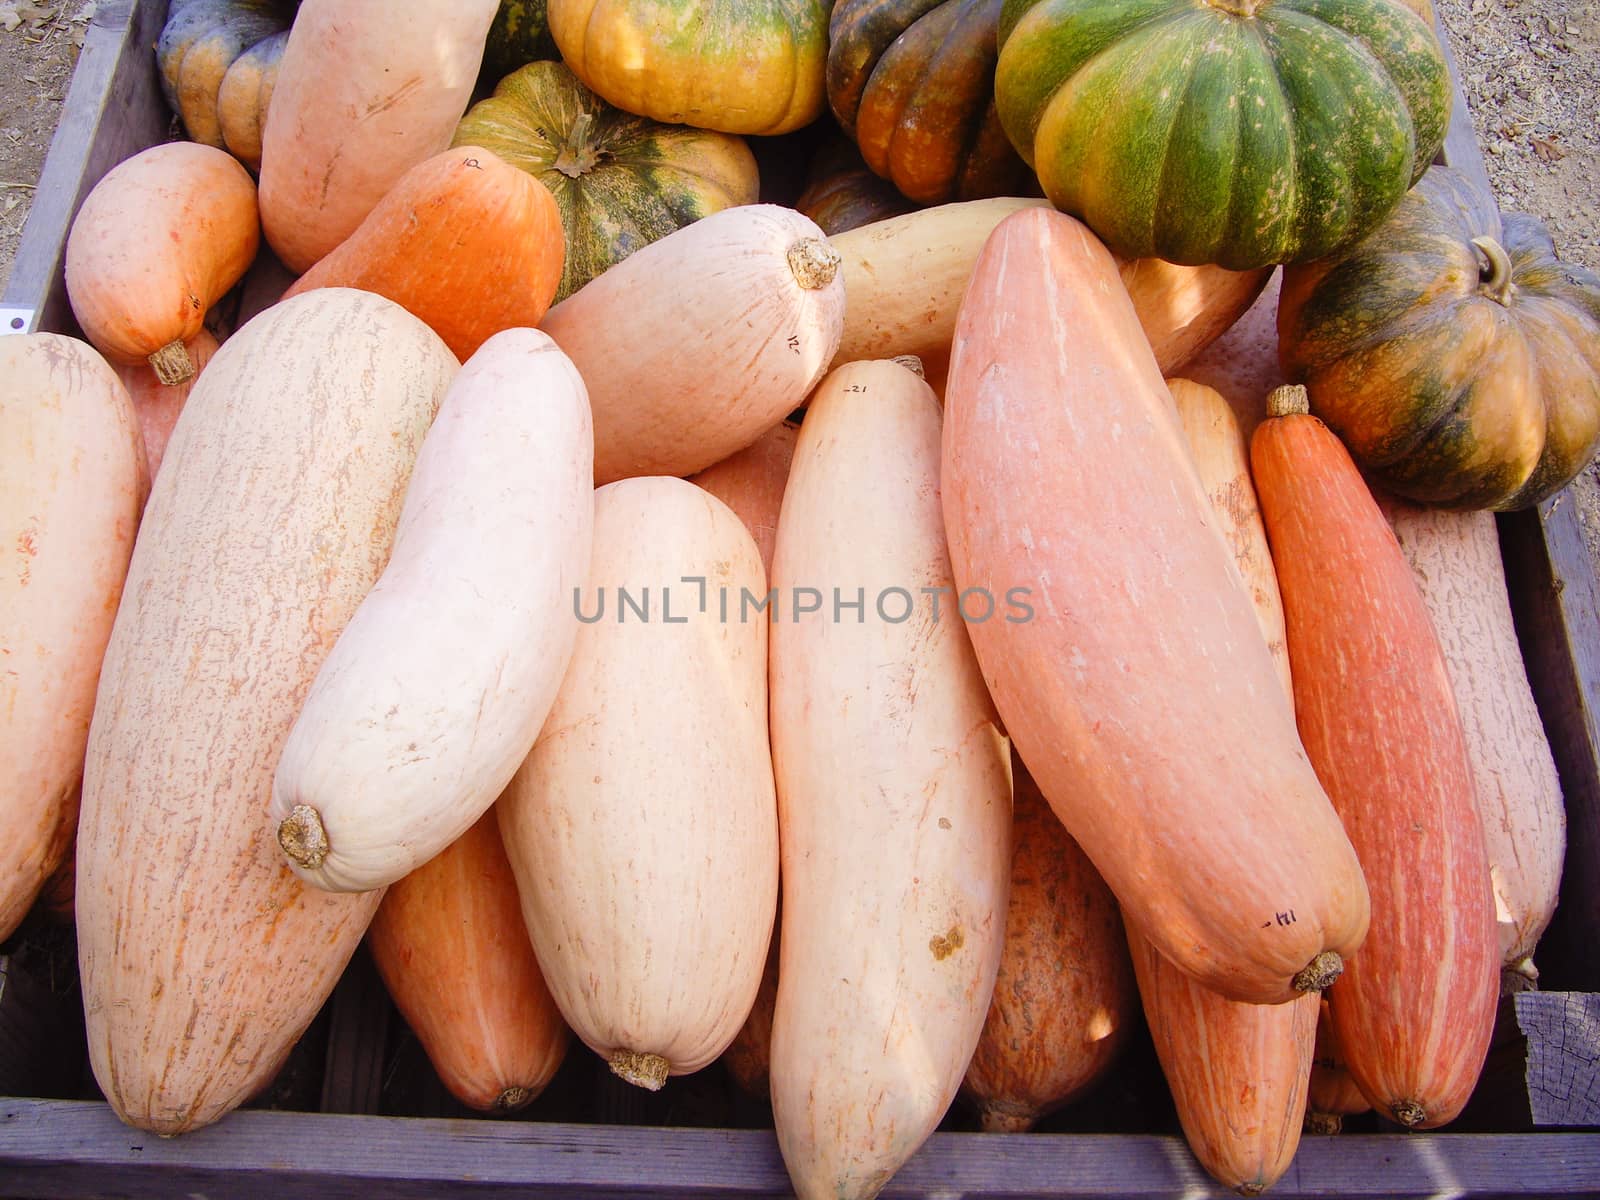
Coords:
357,1111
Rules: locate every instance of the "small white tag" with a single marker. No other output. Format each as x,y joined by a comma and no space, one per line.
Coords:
16,320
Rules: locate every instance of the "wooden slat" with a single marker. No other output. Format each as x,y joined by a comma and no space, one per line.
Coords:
1563,1031
358,1034
113,109
59,1150
1556,604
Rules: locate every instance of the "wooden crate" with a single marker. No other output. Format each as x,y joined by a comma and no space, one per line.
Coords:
358,1109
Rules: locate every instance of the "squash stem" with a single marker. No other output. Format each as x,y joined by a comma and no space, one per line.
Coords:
1291,399
648,1071
1497,283
512,1099
1318,974
1408,1112
578,157
172,364
814,263
911,363
1322,1124
303,837
1239,8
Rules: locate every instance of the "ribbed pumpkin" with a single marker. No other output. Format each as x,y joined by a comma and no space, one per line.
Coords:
913,82
1459,363
1235,132
203,45
621,181
740,66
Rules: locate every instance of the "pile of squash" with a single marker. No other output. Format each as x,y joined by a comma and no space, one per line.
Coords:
581,552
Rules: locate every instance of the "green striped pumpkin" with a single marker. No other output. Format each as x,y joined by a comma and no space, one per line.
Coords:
1235,132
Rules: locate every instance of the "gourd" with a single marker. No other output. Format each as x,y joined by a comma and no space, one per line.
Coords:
738,66
905,277
360,98
1155,726
1064,996
841,192
72,482
621,181
605,844
217,60
894,790
463,240
1238,1073
1456,560
1414,1010
1331,1095
158,240
158,405
730,322
913,84
450,945
202,957
1455,355
435,691
518,35
1235,132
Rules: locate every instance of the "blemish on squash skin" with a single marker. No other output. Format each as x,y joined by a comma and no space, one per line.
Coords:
944,946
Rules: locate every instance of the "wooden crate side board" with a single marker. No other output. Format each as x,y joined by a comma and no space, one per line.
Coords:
57,1149
1555,601
113,109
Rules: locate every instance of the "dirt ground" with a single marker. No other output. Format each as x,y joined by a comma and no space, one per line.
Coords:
1530,68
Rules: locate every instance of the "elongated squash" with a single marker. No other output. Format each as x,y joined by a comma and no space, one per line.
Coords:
157,242
438,686
1064,997
1222,457
1414,1011
72,482
643,828
1242,364
1456,560
894,789
751,482
463,240
1238,1072
904,278
159,405
1331,1095
203,958
361,96
1140,691
451,947
725,327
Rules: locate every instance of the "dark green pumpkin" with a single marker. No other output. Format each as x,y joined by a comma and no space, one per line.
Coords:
620,181
912,81
1235,132
842,193
200,44
1454,354
519,35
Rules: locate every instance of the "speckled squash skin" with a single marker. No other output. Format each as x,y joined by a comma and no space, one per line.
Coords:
203,958
621,181
519,35
913,82
1451,383
1235,132
739,66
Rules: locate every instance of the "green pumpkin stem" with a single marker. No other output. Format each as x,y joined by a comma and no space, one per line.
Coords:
578,156
1497,283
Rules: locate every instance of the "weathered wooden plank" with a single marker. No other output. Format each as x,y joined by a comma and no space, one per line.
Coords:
1563,1031
113,109
1556,604
358,1035
51,1150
